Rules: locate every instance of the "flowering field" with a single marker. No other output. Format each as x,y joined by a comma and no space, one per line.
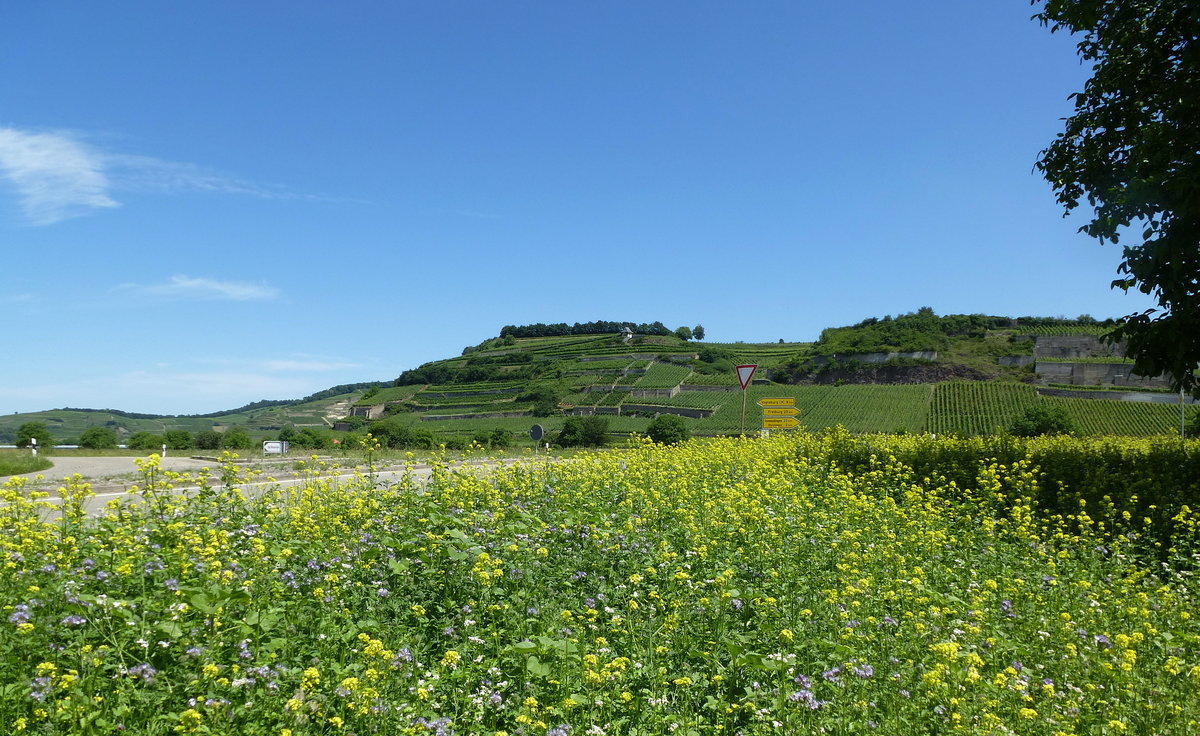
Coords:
725,586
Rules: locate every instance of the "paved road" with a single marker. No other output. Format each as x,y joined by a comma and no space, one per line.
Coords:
111,476
100,468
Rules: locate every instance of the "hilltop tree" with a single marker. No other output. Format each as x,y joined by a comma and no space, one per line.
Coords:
1132,151
698,332
683,333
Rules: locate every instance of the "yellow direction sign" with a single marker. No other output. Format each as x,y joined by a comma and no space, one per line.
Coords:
780,423
777,402
780,411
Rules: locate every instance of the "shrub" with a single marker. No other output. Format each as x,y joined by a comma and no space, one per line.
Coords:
34,430
208,440
571,434
457,442
1043,419
595,431
145,441
668,429
98,438
311,439
237,439
497,439
179,439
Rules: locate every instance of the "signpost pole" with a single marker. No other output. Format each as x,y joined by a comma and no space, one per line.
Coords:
744,372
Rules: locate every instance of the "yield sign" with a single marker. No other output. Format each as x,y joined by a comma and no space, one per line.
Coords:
744,372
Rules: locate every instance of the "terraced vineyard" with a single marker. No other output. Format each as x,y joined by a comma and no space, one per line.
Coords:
547,376
978,408
1131,418
899,408
663,375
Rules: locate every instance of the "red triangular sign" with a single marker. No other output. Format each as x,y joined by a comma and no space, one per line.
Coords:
744,374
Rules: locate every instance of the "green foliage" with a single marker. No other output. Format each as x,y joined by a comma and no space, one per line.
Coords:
396,434
698,332
1152,479
179,439
589,328
13,463
456,442
98,438
1130,151
499,438
34,430
208,440
590,431
545,398
850,585
145,441
683,333
237,438
668,429
311,438
1043,419
571,434
965,407
1193,424
495,439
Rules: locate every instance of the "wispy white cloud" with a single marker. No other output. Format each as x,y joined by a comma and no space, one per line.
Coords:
146,174
57,175
189,287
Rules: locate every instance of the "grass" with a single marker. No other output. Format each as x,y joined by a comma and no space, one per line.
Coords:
17,462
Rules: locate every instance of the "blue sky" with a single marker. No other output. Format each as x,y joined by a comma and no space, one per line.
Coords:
207,204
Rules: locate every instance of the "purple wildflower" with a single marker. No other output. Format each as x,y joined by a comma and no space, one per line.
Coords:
806,699
40,688
863,671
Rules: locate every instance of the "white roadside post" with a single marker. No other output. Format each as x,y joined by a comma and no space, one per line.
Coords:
33,444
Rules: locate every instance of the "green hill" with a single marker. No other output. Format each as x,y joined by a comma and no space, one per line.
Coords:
917,372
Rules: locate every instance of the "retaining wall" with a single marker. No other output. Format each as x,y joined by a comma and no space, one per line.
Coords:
1141,396
1096,374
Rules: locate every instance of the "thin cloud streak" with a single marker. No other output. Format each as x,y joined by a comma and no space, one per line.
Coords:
147,174
56,176
188,287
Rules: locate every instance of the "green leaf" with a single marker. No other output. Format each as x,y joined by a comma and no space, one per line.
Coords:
537,667
171,629
200,602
